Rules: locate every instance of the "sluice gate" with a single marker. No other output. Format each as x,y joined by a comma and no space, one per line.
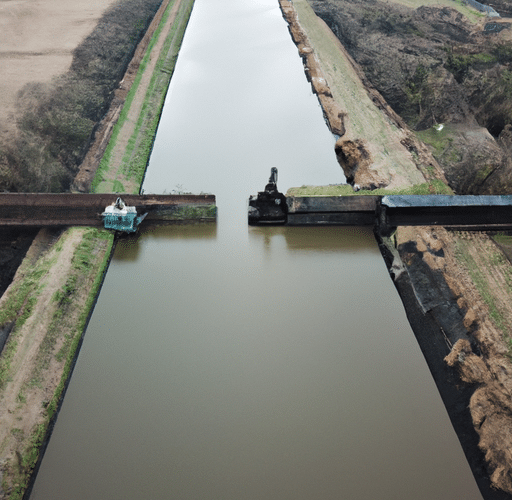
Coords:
69,209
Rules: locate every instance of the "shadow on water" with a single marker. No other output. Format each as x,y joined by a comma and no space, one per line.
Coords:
128,247
321,239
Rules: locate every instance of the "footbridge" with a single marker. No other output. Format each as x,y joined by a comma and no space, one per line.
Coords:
69,209
384,212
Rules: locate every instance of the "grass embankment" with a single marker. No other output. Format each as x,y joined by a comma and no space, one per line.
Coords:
123,165
364,121
491,273
433,187
47,306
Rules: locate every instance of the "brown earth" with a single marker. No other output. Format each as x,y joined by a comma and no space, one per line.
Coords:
434,65
461,282
480,344
375,147
34,378
104,131
37,38
32,384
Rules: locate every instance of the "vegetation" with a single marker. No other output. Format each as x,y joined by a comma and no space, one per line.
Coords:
62,338
491,273
18,307
138,150
433,187
57,119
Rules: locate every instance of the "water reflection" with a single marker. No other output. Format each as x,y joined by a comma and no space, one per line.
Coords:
322,239
129,246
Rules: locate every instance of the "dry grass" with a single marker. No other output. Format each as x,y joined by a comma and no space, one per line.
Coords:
364,120
472,14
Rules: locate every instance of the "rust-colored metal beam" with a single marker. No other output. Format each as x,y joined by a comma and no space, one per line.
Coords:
69,209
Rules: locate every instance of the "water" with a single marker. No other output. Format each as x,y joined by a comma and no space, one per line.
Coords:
227,362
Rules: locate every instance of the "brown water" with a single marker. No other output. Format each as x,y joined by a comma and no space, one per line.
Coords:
226,362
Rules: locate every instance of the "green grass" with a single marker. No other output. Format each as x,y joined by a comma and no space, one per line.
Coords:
140,144
480,278
472,14
503,239
433,187
85,266
439,139
18,307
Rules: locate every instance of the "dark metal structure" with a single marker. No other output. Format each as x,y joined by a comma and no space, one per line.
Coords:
384,212
269,206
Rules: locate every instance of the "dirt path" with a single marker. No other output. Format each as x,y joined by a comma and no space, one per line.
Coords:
121,141
46,302
128,128
375,148
15,414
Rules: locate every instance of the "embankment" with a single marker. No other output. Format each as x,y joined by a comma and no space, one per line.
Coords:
46,308
457,302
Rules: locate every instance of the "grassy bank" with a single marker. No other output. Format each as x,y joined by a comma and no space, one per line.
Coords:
123,166
364,120
48,305
433,187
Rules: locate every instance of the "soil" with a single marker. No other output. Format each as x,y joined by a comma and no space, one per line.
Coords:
375,147
20,415
456,287
37,38
433,65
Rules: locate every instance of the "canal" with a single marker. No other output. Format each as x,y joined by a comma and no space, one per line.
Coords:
227,362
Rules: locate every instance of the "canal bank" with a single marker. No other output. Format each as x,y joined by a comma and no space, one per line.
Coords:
463,328
46,309
264,373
